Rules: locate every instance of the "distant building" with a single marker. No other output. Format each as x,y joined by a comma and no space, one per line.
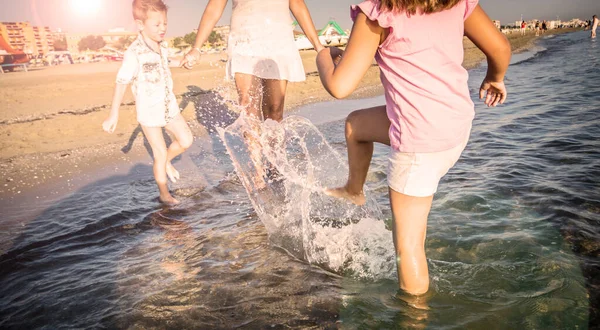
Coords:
111,37
497,24
30,39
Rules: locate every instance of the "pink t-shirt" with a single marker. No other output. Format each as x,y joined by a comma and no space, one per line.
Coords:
426,91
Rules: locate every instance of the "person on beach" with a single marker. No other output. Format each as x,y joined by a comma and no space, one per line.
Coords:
544,27
594,25
427,118
146,67
262,56
523,28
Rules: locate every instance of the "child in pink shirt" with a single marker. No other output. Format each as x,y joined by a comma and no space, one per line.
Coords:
428,113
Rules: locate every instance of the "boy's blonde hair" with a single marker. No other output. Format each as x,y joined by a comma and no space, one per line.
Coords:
142,7
412,6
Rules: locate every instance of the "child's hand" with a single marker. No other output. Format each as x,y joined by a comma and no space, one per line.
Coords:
494,92
175,62
319,47
190,59
110,124
336,55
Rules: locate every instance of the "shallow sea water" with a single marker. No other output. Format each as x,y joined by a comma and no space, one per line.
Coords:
512,237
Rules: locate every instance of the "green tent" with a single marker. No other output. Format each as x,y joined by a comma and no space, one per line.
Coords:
333,24
329,24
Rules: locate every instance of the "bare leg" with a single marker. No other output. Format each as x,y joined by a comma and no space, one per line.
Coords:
409,232
159,150
250,90
273,98
183,140
272,107
363,127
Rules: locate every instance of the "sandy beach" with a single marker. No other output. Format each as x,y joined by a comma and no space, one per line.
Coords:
50,126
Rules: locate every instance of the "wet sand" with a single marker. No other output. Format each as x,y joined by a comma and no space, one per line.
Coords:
50,129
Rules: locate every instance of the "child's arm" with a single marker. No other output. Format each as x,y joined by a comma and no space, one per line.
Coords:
341,80
127,73
110,123
175,62
212,13
302,15
480,29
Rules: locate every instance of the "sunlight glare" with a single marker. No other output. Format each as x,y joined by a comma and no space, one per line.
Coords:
85,7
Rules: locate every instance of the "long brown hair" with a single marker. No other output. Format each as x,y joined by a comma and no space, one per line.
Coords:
412,6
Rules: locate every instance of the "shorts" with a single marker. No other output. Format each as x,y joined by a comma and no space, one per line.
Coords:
418,174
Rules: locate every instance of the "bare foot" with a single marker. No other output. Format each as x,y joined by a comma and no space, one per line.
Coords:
169,200
172,173
342,192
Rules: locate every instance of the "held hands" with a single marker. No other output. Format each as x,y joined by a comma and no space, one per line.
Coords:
110,123
336,55
319,47
189,60
333,52
494,92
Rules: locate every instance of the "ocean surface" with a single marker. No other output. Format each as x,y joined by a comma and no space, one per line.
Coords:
513,235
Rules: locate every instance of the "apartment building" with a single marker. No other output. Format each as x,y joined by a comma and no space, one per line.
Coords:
22,36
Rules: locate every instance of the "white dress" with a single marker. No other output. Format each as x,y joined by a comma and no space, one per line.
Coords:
261,41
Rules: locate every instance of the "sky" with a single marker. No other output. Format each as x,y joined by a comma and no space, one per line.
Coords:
184,15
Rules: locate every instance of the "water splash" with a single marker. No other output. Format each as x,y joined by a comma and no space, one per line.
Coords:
284,168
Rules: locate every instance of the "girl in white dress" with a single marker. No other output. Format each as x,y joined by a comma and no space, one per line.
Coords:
262,53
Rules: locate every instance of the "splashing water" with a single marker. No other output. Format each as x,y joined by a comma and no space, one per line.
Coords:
284,168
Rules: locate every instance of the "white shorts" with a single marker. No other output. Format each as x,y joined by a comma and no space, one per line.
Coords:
418,174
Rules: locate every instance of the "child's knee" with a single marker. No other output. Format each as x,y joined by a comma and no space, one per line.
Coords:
351,123
246,100
275,106
410,245
187,140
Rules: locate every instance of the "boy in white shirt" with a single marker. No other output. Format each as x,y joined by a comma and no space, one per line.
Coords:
146,67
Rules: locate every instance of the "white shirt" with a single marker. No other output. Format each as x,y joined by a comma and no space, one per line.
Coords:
151,83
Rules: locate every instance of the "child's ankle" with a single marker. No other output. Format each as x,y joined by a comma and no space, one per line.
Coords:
353,192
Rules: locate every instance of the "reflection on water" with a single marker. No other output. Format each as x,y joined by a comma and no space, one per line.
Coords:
512,238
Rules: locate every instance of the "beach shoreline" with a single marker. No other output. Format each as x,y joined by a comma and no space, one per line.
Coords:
52,136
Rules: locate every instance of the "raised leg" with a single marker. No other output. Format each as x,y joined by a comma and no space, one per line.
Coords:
363,127
250,92
154,136
183,140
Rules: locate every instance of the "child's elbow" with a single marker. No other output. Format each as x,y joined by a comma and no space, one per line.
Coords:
338,93
339,89
504,46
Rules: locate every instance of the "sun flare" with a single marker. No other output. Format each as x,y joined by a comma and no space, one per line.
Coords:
85,7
